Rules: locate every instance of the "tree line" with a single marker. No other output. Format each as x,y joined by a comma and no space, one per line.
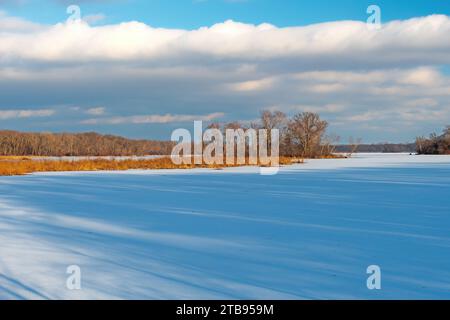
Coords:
379,147
13,143
435,144
302,135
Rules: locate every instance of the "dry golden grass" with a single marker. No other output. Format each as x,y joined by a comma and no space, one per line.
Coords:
11,166
3,158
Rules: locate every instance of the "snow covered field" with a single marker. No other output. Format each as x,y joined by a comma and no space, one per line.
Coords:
309,232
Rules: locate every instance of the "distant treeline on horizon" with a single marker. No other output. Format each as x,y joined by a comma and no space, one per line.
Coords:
15,143
379,148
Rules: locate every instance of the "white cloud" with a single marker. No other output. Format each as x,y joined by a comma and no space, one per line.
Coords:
419,40
253,85
422,76
147,119
322,109
14,114
17,25
96,111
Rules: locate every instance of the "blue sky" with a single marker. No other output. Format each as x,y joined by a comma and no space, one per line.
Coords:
196,13
143,79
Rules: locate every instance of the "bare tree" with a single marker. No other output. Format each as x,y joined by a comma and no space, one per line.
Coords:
306,131
420,144
354,145
434,144
14,143
329,142
233,126
214,125
273,120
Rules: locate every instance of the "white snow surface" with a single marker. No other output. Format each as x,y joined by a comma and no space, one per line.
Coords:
309,232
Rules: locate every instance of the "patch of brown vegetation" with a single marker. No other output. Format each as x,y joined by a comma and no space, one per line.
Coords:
12,166
5,158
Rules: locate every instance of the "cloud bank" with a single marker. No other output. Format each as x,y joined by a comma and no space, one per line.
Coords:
377,84
415,41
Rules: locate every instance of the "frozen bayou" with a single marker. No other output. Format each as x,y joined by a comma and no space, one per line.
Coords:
309,232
